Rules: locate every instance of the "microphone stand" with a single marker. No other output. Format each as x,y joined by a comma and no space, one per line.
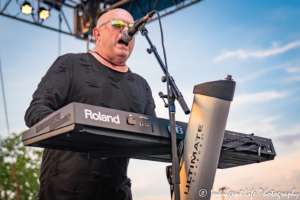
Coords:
174,94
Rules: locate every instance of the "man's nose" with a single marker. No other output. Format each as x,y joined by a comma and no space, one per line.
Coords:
125,28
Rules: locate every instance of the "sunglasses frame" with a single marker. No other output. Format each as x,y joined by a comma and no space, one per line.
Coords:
111,20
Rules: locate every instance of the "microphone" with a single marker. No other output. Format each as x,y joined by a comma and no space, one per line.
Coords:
128,34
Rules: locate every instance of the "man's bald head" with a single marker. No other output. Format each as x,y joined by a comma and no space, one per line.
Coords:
109,39
113,14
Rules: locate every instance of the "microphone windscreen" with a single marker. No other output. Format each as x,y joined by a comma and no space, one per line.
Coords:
126,37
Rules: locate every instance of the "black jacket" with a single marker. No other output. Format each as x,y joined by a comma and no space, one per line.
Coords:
81,78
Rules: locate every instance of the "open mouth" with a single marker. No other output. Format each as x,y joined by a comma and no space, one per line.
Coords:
123,42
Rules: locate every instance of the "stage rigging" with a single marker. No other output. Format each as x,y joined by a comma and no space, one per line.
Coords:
85,12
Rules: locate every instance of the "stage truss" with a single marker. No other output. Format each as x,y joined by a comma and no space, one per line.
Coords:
84,13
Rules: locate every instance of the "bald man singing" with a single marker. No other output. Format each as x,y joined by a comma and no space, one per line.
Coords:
100,78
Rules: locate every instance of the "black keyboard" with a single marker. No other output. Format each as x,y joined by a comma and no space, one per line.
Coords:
104,132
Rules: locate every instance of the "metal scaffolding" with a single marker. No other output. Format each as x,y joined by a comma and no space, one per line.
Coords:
87,12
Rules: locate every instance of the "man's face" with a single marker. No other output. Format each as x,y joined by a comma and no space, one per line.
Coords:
109,41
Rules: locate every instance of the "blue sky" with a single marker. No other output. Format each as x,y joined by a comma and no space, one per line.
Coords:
257,42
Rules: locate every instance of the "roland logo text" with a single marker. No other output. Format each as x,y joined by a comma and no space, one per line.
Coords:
101,117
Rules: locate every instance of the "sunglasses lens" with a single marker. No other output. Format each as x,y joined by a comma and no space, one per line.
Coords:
117,24
130,25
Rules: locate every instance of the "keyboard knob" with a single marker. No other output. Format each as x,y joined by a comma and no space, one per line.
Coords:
131,121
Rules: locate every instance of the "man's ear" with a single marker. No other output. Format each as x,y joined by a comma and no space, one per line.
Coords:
96,33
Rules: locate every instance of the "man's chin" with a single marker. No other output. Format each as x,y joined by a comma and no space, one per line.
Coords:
123,55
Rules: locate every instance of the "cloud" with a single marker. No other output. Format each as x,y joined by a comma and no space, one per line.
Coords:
261,72
266,125
256,120
280,174
295,74
291,79
242,54
145,175
293,69
260,97
288,139
295,78
257,124
270,119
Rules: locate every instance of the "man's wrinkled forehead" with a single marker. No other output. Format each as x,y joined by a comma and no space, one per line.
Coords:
115,14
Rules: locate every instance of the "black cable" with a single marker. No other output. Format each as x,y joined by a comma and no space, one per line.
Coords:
162,40
250,149
108,60
175,184
239,138
59,34
165,57
234,147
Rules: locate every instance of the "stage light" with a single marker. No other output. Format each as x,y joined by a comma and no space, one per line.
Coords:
26,8
43,13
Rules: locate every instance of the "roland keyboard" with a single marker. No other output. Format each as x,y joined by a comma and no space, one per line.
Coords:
104,132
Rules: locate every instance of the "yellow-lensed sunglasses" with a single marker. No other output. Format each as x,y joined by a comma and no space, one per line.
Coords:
117,24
